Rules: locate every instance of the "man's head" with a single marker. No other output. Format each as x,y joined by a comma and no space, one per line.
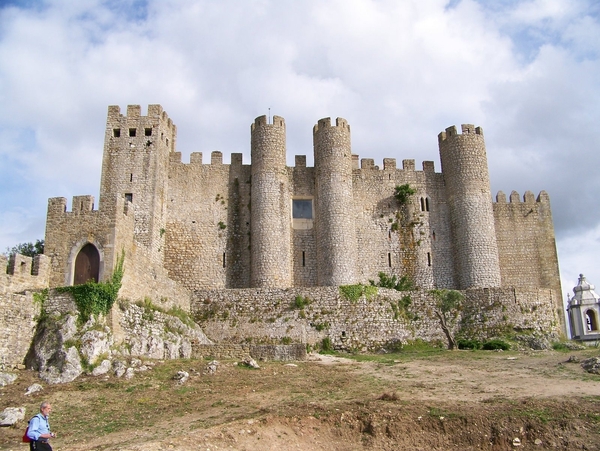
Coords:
45,408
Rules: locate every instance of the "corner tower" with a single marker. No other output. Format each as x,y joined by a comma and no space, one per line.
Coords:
334,206
270,206
465,171
135,166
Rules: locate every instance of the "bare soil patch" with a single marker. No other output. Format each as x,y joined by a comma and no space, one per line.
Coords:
425,401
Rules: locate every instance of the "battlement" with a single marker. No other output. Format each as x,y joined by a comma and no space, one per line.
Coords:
80,204
24,273
134,112
528,197
261,121
325,123
467,129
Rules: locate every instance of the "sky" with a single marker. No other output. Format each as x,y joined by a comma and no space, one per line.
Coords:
400,72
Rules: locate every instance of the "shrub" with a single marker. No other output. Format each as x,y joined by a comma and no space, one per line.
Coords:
464,343
494,344
326,345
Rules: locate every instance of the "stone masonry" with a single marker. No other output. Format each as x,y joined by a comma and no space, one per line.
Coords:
190,227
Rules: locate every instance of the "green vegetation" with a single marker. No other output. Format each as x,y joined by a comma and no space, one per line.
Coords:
494,344
403,283
28,249
93,298
403,192
301,302
448,306
354,292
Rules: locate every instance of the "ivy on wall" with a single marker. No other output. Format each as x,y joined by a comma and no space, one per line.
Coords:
93,298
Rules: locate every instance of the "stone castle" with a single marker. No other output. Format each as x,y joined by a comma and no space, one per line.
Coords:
194,232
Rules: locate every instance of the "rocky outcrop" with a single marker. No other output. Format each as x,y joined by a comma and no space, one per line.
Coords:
62,350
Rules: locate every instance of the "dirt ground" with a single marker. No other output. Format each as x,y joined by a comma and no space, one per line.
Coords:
460,400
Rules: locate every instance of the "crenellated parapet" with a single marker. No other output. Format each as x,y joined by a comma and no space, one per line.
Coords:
24,273
528,198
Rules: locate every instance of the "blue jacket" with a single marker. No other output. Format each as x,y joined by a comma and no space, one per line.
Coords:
38,425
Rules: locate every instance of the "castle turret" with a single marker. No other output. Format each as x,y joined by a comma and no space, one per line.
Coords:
464,166
334,206
135,166
270,206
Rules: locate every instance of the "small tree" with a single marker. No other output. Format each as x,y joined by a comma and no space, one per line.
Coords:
447,308
403,192
27,249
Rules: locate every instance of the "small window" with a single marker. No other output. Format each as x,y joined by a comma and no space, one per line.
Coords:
422,204
148,131
389,260
428,258
132,132
302,209
303,258
117,132
131,177
129,197
427,204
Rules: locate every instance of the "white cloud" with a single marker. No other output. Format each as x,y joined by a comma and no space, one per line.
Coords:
399,72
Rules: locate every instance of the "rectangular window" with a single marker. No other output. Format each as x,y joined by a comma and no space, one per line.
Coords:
302,209
117,132
148,131
129,197
132,132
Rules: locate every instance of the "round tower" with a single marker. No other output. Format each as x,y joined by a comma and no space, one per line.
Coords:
334,206
270,206
464,166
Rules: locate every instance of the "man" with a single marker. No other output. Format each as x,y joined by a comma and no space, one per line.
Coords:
39,429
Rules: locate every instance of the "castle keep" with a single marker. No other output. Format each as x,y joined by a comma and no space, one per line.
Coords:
241,237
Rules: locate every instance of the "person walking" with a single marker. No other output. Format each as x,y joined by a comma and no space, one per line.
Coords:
39,429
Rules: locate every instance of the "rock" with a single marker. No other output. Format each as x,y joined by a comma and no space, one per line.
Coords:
95,343
572,346
537,343
33,389
129,373
212,366
48,354
591,365
516,441
12,415
101,369
119,368
538,442
181,377
249,361
66,367
135,363
7,379
291,364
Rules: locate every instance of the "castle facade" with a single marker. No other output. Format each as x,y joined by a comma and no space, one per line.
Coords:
267,225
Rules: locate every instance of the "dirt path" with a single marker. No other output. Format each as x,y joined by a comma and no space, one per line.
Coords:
460,400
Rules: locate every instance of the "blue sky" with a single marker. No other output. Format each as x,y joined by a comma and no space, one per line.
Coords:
528,72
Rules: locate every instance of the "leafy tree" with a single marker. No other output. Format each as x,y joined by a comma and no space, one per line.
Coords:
402,193
447,308
402,284
28,249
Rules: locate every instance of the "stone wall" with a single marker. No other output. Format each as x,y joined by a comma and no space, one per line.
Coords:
20,278
273,316
295,351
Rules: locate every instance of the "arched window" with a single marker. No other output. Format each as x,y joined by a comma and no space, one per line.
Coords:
591,320
87,265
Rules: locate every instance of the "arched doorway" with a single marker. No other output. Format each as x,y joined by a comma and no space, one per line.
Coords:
87,265
590,317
